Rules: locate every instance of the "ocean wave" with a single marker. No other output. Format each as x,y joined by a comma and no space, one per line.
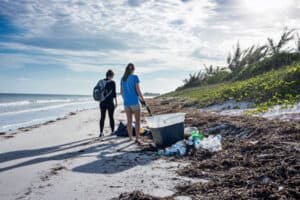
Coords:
14,103
46,108
46,101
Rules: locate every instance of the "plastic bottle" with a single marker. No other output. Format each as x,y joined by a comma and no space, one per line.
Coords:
197,134
190,141
170,151
181,151
181,147
219,137
197,143
176,149
217,143
160,152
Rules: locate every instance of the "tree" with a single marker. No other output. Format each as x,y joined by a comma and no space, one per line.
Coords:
254,54
242,58
209,70
193,79
212,71
298,43
286,36
234,60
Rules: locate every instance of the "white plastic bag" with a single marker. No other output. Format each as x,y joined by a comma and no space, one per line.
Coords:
212,143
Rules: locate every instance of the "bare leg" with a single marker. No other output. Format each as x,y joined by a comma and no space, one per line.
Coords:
137,116
129,122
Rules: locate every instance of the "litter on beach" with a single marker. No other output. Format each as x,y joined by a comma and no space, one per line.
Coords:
196,141
166,129
168,132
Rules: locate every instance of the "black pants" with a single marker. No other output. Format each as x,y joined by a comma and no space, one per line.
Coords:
110,108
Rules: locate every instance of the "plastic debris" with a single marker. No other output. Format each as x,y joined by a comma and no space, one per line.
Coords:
178,148
195,142
195,139
212,143
197,135
189,130
280,188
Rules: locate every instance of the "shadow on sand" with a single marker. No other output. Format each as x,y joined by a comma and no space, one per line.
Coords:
113,156
25,153
115,162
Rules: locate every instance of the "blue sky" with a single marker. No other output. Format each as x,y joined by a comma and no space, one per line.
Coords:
55,46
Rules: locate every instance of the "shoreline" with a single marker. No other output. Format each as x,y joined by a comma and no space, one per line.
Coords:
12,132
218,109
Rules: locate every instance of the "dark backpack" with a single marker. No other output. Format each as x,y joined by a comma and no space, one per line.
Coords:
99,91
122,130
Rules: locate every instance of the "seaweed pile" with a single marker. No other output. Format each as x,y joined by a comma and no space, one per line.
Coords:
137,195
260,158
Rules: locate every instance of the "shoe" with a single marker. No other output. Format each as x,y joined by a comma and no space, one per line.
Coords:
138,142
101,136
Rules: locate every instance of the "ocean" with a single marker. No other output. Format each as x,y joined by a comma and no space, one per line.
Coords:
21,110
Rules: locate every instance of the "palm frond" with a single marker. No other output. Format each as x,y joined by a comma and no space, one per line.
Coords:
298,43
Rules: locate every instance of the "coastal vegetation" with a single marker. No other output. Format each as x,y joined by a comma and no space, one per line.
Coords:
266,74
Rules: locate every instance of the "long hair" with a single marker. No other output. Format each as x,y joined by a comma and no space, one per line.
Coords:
129,70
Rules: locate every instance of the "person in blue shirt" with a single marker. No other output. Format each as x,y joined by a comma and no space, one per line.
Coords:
131,93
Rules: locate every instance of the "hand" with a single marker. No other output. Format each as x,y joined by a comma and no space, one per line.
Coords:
143,102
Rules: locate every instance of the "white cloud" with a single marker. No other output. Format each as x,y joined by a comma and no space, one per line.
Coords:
164,35
162,85
16,61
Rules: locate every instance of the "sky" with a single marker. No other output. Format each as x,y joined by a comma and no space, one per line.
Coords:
66,46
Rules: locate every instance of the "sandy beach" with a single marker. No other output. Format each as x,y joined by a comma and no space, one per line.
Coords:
65,160
218,83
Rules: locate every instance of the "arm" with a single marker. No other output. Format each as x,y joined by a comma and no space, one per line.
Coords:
116,102
138,90
121,91
115,94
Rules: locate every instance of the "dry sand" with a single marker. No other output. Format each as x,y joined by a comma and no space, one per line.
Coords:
64,160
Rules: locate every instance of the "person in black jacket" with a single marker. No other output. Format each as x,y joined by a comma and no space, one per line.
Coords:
110,102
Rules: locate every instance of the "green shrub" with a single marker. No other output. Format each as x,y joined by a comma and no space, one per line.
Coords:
281,86
274,62
211,75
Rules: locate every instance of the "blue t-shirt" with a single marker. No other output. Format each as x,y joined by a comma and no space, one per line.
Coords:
130,95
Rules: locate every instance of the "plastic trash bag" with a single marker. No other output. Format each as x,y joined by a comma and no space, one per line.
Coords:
212,143
178,148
